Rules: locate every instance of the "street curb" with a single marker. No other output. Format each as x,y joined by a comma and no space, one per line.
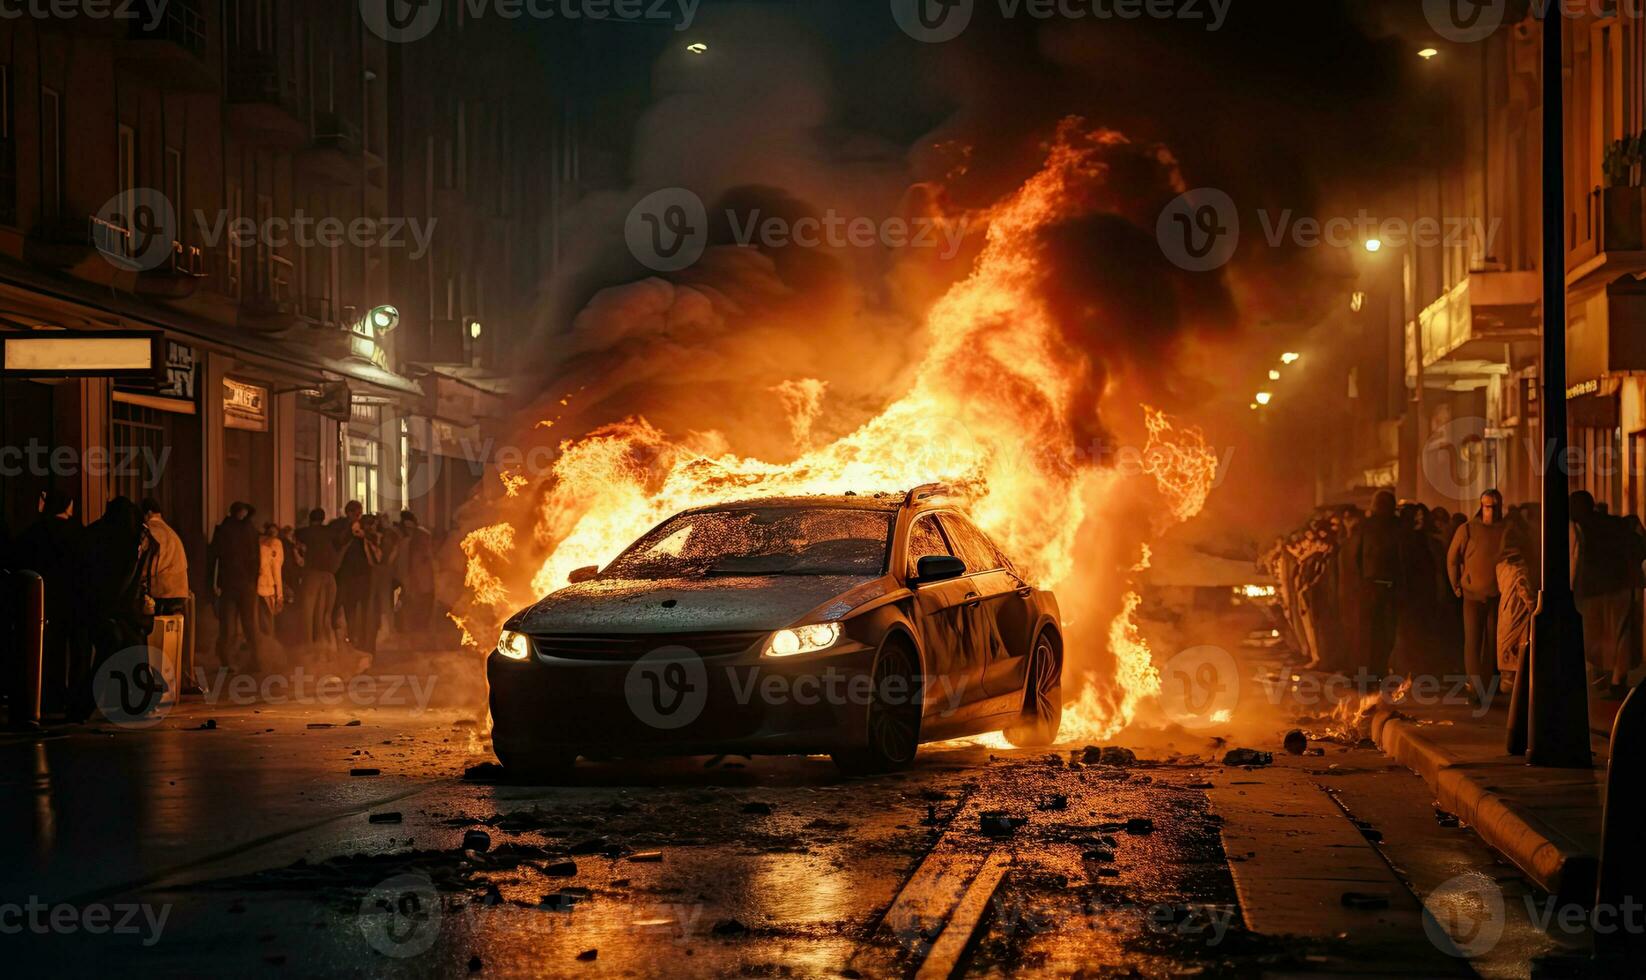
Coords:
1558,866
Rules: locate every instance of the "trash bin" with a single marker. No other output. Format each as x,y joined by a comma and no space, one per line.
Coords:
166,656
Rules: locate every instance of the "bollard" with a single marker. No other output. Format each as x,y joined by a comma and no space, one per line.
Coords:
25,599
1622,879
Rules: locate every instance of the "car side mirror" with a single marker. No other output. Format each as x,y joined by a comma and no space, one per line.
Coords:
585,574
937,568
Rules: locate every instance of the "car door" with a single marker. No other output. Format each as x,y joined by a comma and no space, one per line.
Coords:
1007,607
956,674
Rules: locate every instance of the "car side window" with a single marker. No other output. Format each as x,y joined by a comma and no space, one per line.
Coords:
974,549
924,539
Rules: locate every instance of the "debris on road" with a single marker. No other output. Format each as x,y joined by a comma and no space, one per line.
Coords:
997,823
1295,741
474,964
209,725
757,808
365,772
388,816
1248,757
1139,825
646,857
1108,755
594,845
1366,901
561,869
730,927
485,772
477,840
588,955
1054,801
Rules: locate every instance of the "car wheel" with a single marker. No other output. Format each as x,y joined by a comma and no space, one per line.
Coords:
1042,698
536,765
894,723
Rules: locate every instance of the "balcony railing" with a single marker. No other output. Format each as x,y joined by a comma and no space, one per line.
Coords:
180,23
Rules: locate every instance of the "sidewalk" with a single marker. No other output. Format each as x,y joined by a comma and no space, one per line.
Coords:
1546,821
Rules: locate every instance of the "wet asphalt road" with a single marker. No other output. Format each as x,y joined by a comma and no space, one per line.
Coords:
249,849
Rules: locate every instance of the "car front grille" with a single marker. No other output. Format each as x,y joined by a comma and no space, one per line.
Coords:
633,646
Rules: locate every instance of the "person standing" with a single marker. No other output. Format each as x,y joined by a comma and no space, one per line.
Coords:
416,574
234,563
1471,566
1608,576
354,582
169,583
317,590
53,547
271,577
119,553
1376,550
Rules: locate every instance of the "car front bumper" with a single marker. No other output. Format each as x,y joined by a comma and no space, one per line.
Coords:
679,704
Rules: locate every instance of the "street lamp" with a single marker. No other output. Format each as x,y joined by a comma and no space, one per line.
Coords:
1428,53
1290,357
1374,244
1264,397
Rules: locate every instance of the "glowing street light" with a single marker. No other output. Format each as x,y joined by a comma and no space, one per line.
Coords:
1428,53
1374,244
1263,397
1290,357
1274,375
697,47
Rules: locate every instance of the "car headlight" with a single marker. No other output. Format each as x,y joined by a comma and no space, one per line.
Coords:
803,639
515,646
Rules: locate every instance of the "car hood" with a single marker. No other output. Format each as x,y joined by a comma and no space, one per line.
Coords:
695,605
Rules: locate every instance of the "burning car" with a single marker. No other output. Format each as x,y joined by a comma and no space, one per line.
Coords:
854,625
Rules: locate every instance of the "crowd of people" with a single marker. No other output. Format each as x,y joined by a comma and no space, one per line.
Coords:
324,585
330,586
1404,589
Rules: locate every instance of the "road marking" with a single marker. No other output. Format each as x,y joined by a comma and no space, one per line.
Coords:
944,959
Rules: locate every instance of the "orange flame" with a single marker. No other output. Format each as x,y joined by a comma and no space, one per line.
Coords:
993,410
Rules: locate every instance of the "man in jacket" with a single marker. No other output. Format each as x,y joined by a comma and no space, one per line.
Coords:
232,569
1471,564
1607,578
317,591
1376,550
53,547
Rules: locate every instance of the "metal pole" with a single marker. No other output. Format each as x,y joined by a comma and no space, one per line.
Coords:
1558,715
1622,877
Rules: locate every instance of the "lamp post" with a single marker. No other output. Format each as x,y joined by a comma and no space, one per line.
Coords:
1558,713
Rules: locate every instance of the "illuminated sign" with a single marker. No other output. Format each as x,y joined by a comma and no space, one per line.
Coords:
245,406
1583,388
76,353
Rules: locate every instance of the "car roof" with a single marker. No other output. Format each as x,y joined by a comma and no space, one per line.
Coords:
851,501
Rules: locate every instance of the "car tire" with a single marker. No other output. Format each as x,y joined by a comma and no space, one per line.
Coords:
1042,697
893,726
543,766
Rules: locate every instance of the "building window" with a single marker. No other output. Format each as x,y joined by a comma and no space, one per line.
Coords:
306,464
364,455
51,155
8,152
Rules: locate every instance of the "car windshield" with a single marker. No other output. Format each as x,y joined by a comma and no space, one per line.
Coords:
761,541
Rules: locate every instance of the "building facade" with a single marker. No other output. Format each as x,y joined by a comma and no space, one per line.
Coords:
333,243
